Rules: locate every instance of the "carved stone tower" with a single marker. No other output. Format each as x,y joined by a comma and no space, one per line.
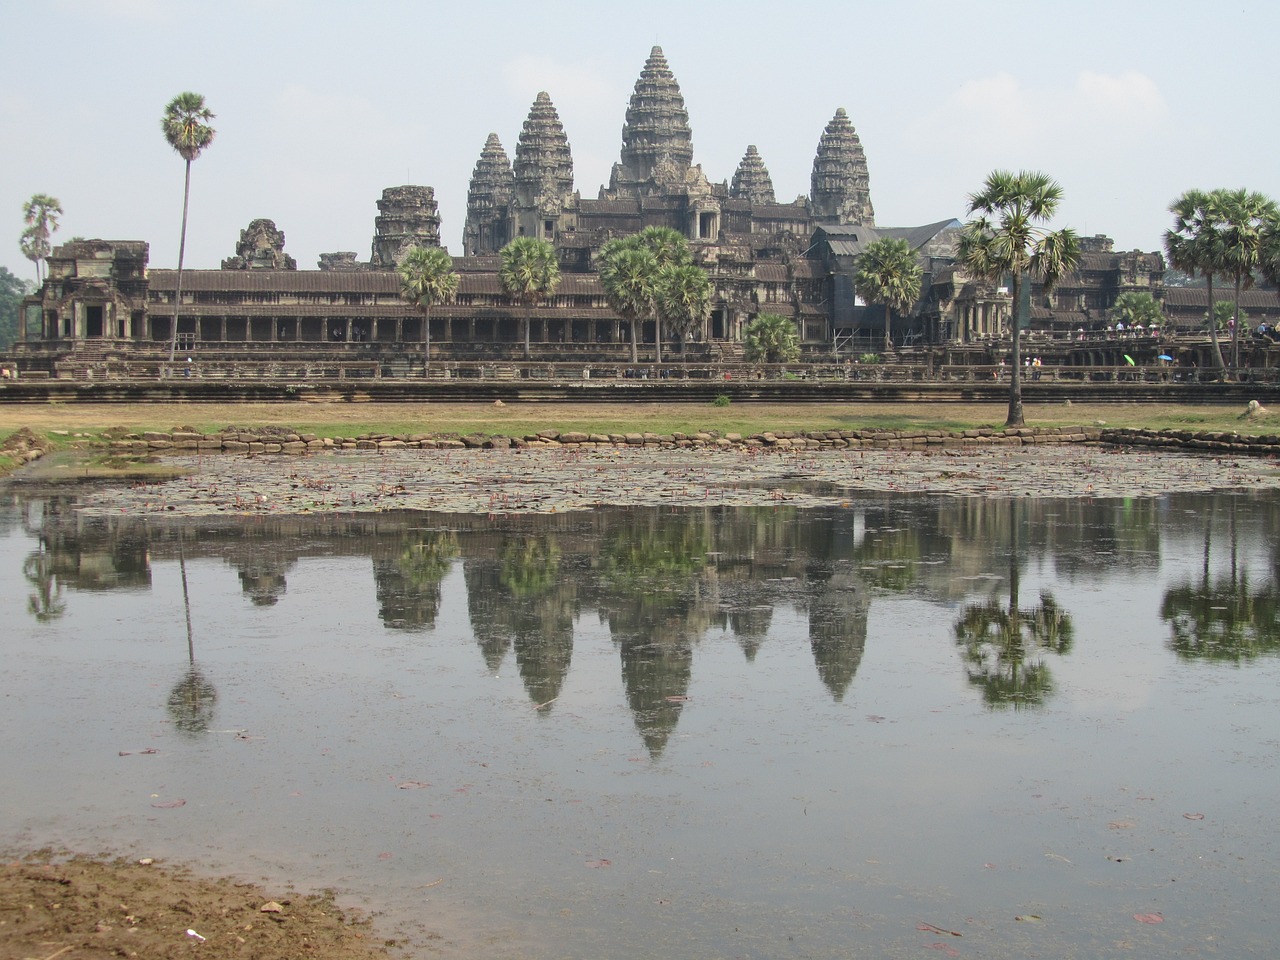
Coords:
751,181
543,173
657,127
261,247
488,201
407,216
841,185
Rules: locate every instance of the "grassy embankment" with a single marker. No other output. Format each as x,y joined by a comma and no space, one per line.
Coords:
83,424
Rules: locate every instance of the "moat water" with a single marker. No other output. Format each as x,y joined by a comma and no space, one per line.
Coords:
995,728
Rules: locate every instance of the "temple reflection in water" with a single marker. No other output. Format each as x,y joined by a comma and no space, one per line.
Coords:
659,580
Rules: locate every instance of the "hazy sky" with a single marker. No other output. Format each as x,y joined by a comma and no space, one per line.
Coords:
320,105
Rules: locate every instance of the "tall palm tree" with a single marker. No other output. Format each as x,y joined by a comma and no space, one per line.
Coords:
1245,215
529,274
1195,243
684,299
670,251
888,272
629,275
185,125
40,214
427,278
1008,238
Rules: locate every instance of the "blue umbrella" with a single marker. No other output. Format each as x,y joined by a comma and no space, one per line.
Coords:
1164,356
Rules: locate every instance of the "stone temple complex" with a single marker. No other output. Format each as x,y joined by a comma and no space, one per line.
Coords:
763,256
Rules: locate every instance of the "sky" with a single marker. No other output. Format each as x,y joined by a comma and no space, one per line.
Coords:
321,105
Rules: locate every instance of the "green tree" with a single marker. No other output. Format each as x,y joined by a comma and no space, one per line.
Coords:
1245,217
1137,307
888,272
1269,256
40,214
1223,313
1194,244
529,274
771,338
645,276
629,275
185,126
426,279
12,290
1008,238
670,252
684,299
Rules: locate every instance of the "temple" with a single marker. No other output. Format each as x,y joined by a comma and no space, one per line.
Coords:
792,258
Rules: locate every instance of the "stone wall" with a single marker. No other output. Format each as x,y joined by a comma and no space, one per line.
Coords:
237,440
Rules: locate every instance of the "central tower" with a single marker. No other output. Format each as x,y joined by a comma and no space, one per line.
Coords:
657,127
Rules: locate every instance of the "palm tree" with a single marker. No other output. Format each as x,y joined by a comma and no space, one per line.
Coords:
888,272
629,274
427,278
529,274
771,338
185,127
1194,243
1245,216
1269,255
1137,307
1007,238
40,214
670,251
684,299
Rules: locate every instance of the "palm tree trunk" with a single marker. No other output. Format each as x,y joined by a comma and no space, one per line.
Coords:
635,343
1235,332
1014,418
1213,326
888,336
657,338
528,322
182,251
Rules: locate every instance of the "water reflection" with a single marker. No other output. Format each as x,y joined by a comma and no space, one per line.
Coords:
923,707
1231,616
659,580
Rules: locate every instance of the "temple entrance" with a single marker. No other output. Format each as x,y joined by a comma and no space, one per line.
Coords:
93,320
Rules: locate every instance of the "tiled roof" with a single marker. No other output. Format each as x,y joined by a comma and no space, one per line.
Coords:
278,281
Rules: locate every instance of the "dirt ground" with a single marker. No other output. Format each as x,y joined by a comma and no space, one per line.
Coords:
85,909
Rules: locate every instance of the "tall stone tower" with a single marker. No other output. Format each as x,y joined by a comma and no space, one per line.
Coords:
488,226
656,129
543,173
841,186
751,181
407,216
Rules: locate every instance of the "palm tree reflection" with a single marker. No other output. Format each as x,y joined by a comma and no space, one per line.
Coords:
1003,645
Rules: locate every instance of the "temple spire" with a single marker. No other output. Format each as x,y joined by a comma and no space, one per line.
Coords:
657,125
841,185
544,165
488,200
751,181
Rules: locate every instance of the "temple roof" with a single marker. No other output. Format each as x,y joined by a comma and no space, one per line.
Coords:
657,124
751,181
